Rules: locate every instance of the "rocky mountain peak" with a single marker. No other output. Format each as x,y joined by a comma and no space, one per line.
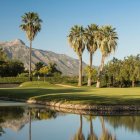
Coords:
17,42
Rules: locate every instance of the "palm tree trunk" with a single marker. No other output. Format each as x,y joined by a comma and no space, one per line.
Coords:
81,125
80,71
102,63
89,78
100,71
98,83
44,77
29,124
133,83
30,60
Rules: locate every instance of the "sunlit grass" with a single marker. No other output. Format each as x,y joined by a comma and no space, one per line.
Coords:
84,95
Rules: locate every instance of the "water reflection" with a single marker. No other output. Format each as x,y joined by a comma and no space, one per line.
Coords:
9,116
1,131
106,135
39,114
16,118
131,123
79,134
30,120
91,135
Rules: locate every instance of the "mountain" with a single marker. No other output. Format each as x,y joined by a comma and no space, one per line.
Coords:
14,123
18,50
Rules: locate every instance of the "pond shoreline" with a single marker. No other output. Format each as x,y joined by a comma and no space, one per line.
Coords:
8,85
79,107
86,106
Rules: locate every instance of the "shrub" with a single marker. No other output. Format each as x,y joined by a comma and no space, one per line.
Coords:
23,75
13,80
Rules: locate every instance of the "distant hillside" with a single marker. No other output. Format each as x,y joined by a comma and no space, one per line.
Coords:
18,50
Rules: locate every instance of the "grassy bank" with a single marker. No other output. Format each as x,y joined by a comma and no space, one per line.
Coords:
84,95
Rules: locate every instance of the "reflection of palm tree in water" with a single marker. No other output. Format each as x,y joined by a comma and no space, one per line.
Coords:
30,124
1,131
43,114
39,114
79,135
106,135
92,135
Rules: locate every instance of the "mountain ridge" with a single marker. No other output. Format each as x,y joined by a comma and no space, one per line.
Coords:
18,50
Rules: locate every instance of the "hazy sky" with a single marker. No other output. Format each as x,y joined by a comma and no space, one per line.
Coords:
60,15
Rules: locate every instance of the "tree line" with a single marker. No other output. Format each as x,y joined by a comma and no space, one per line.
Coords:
118,73
122,73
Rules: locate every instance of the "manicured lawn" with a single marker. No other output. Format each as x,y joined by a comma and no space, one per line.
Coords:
83,95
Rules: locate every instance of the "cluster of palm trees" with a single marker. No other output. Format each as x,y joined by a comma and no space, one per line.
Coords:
93,37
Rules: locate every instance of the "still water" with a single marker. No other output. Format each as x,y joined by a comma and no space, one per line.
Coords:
23,122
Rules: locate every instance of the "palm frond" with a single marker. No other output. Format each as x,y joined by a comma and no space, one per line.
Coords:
31,24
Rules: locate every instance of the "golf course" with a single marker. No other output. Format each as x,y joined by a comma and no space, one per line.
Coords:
43,91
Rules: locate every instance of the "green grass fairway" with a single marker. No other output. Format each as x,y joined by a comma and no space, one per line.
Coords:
84,95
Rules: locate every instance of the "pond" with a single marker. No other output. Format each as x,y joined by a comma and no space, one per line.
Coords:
19,121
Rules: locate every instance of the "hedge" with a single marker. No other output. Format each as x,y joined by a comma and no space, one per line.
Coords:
13,80
52,80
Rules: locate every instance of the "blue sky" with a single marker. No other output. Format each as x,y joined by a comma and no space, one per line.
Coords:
60,15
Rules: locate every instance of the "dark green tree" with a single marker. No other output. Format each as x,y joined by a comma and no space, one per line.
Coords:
54,69
39,65
11,68
3,56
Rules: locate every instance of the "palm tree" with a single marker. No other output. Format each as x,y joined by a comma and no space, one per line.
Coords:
91,43
31,24
76,40
107,43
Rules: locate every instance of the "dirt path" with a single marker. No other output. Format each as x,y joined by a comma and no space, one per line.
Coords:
66,85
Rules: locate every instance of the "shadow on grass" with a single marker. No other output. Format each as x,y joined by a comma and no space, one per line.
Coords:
89,99
28,93
73,95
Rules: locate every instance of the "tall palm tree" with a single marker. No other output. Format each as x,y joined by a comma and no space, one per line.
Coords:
107,43
76,40
31,24
91,43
